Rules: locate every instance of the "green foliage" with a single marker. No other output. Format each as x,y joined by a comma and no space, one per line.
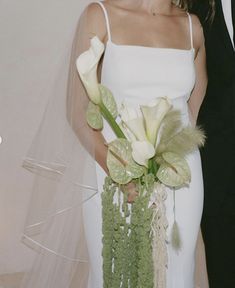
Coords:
171,124
94,117
108,100
127,240
143,232
174,170
174,138
185,141
122,167
108,231
175,143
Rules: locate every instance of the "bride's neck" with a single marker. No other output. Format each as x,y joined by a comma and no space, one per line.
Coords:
161,6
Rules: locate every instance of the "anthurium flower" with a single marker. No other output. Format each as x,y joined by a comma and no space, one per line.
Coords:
153,116
134,120
142,151
87,64
122,167
174,170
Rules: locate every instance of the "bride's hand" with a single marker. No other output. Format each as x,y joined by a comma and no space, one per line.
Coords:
130,189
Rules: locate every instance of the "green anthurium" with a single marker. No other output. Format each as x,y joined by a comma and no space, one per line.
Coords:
122,167
94,117
108,100
174,170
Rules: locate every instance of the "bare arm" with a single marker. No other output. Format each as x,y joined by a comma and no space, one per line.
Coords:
199,90
91,23
201,277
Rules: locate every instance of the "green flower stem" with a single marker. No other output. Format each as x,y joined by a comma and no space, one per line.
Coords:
107,115
152,166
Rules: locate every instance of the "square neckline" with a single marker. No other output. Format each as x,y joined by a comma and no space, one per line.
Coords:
109,40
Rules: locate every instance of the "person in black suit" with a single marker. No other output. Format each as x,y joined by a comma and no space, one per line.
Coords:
217,117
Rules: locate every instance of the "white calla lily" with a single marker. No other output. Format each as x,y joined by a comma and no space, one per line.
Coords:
142,151
134,120
87,64
153,116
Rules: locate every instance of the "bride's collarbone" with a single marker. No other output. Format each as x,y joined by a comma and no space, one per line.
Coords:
150,37
131,9
136,28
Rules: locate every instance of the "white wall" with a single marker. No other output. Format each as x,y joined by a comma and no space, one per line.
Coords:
33,37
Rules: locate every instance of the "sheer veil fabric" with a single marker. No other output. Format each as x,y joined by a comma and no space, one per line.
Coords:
62,159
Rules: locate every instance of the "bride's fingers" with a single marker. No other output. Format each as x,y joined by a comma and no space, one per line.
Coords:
130,189
131,196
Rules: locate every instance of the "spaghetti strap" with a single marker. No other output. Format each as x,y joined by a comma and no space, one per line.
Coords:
190,29
106,18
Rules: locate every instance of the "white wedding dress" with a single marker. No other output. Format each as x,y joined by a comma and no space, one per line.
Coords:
139,74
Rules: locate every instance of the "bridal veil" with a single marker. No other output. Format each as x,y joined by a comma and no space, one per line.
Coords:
61,158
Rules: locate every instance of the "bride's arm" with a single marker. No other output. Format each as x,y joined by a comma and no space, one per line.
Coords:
199,90
201,277
91,23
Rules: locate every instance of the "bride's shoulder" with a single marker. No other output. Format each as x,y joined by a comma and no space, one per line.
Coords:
197,26
94,20
94,10
115,9
198,35
195,20
93,16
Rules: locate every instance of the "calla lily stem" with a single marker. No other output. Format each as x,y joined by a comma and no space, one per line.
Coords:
107,115
153,166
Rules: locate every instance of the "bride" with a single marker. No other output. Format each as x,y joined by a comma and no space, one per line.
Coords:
153,48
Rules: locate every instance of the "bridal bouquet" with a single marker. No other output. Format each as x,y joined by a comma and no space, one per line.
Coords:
149,152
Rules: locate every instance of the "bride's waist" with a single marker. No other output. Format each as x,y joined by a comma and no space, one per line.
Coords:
178,103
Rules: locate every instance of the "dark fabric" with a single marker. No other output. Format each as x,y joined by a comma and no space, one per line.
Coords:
217,113
219,239
233,17
217,117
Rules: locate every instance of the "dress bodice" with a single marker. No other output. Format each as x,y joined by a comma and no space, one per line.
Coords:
139,74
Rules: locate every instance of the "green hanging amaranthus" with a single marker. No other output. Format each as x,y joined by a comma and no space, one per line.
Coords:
127,240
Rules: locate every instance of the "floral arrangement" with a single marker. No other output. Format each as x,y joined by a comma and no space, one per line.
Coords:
149,151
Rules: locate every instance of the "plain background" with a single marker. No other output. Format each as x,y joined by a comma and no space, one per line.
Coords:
33,38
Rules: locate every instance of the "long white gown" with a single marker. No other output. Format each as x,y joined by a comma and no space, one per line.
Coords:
139,74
